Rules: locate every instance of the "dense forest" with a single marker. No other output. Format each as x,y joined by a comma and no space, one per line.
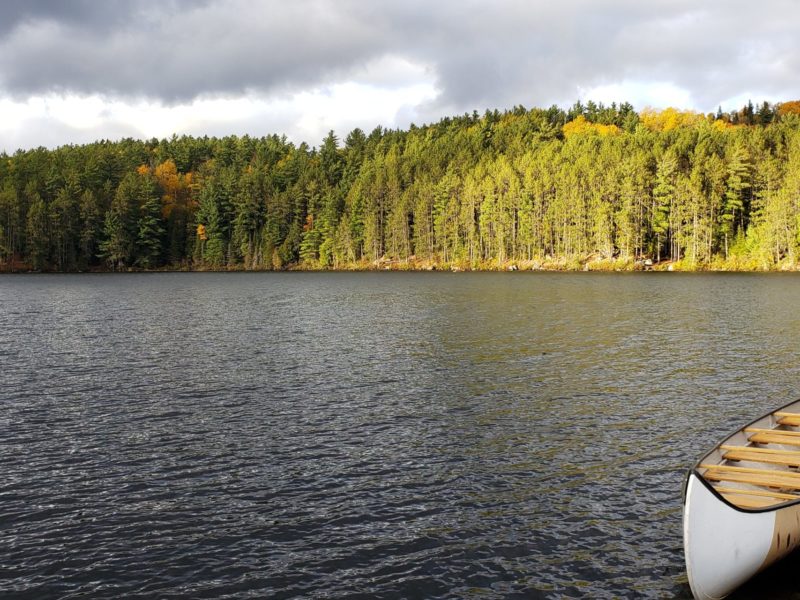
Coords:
590,187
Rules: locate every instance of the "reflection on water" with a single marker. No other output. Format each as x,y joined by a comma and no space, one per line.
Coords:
372,435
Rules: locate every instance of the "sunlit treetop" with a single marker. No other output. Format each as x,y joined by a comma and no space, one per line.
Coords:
670,118
580,126
789,108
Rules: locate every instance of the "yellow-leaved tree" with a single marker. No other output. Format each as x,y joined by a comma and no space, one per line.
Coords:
580,126
670,118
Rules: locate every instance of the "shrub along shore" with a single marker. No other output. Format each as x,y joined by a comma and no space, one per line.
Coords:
562,265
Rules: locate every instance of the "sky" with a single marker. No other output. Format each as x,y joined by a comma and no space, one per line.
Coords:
73,71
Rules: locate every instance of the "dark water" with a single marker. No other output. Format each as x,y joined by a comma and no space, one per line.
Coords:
372,435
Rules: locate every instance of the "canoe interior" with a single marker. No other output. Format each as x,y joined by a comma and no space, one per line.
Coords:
758,467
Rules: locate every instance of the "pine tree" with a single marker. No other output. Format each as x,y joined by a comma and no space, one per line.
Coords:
330,159
37,234
663,197
150,226
208,215
120,226
63,216
736,185
114,248
9,222
90,229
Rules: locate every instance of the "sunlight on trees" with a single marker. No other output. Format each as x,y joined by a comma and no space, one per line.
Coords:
534,187
669,119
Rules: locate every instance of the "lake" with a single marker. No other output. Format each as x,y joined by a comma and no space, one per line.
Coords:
373,435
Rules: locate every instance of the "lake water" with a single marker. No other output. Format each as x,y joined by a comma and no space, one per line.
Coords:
373,435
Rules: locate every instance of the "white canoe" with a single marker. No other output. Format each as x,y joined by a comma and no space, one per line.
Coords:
741,504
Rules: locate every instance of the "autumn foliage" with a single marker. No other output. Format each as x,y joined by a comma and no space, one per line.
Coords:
669,119
176,187
789,108
581,126
473,191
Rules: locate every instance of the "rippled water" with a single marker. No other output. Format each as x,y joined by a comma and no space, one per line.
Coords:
372,435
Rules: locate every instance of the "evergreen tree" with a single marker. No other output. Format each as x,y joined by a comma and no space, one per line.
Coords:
91,227
150,227
553,186
10,222
37,234
737,183
208,215
63,217
331,159
663,197
120,227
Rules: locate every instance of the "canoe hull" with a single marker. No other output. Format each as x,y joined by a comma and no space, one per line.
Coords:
725,546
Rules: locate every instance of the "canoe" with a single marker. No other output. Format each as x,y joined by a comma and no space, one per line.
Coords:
741,504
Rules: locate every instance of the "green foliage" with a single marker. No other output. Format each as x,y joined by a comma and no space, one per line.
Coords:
150,228
664,198
89,228
10,222
120,229
470,191
737,184
37,234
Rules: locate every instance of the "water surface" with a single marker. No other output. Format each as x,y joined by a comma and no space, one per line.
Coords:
372,435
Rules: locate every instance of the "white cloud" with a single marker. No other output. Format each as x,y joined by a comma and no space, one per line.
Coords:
657,94
72,72
53,119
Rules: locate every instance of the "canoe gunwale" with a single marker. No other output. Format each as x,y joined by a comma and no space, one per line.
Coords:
695,470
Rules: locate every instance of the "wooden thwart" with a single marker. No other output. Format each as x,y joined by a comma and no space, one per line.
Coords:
775,437
768,475
763,477
787,418
787,458
792,474
780,431
758,450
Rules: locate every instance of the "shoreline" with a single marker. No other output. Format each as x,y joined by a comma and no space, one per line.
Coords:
542,266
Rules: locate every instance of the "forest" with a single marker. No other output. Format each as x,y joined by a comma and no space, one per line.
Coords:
589,187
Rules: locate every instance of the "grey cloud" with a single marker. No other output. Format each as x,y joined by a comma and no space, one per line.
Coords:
482,53
183,51
89,14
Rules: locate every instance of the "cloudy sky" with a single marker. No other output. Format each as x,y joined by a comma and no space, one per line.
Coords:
72,71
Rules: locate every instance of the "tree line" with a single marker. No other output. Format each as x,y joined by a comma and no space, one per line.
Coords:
540,187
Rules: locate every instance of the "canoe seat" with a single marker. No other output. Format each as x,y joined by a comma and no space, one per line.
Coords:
771,478
776,437
788,418
789,458
772,474
785,432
